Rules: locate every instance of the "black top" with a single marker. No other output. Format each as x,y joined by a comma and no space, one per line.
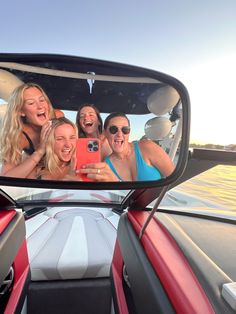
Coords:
28,150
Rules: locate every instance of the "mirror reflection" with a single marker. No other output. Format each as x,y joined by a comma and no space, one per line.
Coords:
86,124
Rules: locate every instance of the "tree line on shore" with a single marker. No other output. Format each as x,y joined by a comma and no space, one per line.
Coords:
214,146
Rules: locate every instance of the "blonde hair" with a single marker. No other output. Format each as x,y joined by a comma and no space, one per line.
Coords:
12,125
51,162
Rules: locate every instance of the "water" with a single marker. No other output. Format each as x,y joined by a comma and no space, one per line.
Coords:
217,184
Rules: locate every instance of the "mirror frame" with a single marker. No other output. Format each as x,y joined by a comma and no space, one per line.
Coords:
128,185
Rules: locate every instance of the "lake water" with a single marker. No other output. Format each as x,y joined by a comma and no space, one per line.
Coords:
217,184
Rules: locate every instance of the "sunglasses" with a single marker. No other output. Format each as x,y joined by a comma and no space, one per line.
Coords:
114,129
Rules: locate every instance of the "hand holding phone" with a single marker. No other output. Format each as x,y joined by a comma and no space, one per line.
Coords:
87,151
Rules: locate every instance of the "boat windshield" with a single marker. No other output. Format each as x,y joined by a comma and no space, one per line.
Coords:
33,195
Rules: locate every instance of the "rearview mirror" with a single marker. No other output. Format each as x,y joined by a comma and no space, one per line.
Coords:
156,105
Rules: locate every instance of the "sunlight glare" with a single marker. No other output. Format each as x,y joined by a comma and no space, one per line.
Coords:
213,101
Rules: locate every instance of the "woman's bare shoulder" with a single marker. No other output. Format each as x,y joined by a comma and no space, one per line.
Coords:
148,144
58,113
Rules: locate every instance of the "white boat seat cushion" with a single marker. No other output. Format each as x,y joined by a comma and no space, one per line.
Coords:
71,243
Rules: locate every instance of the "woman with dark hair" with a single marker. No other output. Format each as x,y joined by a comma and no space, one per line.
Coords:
137,161
89,124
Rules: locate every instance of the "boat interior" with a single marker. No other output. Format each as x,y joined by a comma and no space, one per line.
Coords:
91,260
70,254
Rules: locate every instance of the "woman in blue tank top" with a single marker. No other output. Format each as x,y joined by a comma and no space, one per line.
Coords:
137,161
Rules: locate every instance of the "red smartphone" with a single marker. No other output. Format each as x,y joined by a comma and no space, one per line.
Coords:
87,151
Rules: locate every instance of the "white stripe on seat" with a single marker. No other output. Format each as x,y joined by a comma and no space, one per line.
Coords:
73,261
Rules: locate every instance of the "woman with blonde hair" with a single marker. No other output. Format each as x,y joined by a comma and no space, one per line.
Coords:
58,162
25,128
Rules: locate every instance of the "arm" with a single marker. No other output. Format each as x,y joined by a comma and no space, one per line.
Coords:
99,172
155,156
24,169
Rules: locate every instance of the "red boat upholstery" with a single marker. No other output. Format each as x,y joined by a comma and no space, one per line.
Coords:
14,264
158,277
170,265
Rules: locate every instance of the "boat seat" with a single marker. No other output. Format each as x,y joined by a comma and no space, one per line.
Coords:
71,243
157,128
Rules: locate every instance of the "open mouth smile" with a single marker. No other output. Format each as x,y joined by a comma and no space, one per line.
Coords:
118,143
88,124
41,115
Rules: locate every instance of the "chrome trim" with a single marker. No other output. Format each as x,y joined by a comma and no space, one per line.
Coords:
7,282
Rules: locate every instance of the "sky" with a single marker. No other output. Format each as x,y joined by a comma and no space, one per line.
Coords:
194,41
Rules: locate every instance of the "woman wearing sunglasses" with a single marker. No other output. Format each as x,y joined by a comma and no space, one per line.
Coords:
141,161
137,161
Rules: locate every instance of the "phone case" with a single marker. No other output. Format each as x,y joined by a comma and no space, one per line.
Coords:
87,151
